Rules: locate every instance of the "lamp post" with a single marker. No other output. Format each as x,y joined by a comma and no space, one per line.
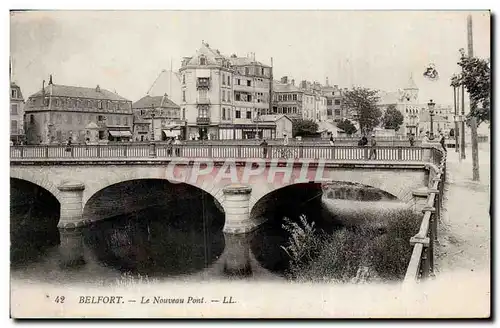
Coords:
152,147
431,105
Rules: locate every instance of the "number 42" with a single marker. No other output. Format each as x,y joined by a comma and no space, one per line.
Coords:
59,299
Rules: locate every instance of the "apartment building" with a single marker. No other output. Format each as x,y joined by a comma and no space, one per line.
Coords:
167,117
16,114
223,97
58,113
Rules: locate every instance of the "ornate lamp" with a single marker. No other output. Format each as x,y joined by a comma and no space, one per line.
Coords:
431,106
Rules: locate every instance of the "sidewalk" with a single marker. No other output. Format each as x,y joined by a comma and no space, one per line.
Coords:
464,233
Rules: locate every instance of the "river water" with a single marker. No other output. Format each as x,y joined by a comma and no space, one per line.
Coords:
161,242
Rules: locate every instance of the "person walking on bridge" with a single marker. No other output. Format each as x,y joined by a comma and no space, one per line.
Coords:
373,150
442,141
264,145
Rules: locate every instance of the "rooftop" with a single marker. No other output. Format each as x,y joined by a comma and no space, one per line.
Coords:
157,102
58,90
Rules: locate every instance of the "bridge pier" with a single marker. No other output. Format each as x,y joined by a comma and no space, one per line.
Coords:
237,208
236,255
71,224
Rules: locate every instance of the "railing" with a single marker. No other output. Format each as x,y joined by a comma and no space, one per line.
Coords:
220,151
421,264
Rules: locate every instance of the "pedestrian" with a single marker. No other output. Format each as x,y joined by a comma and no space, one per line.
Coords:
264,145
373,150
442,141
169,147
177,144
331,140
68,144
412,140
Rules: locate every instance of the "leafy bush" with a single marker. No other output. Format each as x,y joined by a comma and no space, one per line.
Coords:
369,251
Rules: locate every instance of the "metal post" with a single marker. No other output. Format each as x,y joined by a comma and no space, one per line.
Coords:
456,117
462,138
431,136
473,122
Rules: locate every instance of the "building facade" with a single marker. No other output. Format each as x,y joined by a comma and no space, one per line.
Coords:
58,113
335,110
305,101
16,114
287,99
407,102
442,120
169,122
223,97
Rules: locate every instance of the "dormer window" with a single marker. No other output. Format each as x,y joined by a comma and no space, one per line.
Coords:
203,61
13,93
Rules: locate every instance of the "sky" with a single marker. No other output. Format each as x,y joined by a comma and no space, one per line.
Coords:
124,51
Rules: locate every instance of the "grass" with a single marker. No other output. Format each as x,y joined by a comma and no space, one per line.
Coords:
362,253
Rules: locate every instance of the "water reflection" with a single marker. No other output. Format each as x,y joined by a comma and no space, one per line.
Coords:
156,242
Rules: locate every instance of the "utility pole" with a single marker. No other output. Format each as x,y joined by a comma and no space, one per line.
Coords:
456,116
462,132
271,89
473,123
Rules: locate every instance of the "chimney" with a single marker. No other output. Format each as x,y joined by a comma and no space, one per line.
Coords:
50,79
293,82
303,84
284,80
98,89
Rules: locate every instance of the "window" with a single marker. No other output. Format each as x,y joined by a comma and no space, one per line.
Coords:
238,81
13,126
223,79
262,71
249,83
229,96
238,113
223,113
228,80
13,93
203,61
294,96
249,98
13,109
237,97
203,112
223,95
337,112
99,104
184,113
249,115
184,96
247,71
337,102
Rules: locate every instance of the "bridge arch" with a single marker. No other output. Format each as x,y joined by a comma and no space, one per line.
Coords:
38,180
97,183
93,205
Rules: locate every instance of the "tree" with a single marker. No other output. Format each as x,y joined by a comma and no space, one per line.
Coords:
302,128
362,103
347,127
392,118
476,78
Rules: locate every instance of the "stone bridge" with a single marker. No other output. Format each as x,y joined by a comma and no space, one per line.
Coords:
237,184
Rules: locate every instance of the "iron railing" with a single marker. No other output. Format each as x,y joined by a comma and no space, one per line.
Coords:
221,151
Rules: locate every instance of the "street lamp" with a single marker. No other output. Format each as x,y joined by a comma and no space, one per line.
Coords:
152,148
431,105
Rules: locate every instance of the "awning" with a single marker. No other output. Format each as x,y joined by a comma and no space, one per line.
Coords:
172,133
126,134
171,126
